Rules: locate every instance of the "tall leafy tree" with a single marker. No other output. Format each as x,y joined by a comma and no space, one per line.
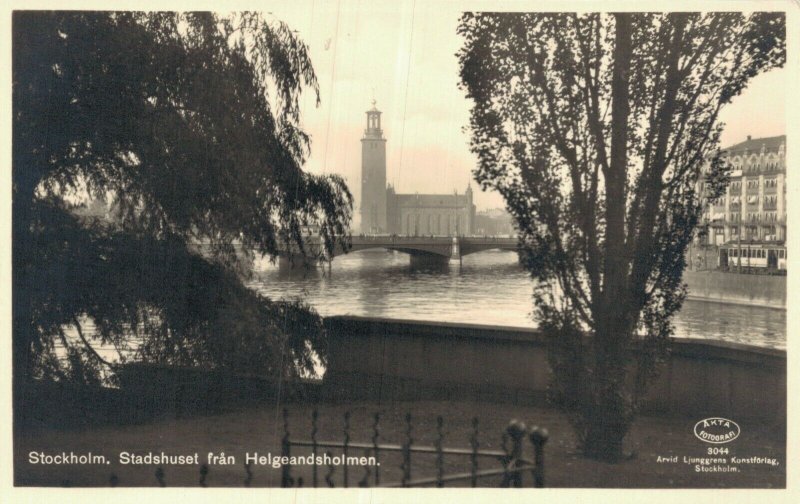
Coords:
188,124
596,129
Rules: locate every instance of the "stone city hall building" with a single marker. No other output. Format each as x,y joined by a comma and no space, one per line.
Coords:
753,208
383,211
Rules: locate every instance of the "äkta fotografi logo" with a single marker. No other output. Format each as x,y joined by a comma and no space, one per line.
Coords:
716,430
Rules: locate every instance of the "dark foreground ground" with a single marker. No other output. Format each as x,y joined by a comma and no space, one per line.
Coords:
260,430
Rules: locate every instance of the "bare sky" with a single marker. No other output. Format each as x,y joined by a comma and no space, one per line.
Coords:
403,54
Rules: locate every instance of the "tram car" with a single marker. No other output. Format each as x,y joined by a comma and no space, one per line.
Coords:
763,257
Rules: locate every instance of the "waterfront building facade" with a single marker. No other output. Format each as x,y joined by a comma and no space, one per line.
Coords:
753,208
384,211
494,222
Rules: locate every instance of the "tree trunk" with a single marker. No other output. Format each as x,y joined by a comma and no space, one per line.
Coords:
604,440
607,416
608,413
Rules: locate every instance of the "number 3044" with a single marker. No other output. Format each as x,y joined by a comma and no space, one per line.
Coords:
717,451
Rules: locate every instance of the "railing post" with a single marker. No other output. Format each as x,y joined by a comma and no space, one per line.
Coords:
516,431
346,446
407,452
375,435
203,475
367,473
160,477
538,437
248,470
439,452
473,441
329,476
314,417
286,469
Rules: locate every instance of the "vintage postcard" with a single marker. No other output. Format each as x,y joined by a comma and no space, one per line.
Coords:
464,249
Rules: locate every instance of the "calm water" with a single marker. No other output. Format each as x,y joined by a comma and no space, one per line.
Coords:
489,288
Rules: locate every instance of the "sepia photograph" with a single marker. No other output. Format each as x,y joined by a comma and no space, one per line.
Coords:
346,244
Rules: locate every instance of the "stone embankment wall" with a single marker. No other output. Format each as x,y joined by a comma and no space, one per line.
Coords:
761,290
392,360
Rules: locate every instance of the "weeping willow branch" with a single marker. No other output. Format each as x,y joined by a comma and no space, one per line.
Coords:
89,346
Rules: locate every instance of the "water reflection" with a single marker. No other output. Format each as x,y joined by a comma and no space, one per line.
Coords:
488,288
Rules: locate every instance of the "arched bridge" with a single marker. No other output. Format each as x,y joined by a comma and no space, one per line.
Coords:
421,249
434,247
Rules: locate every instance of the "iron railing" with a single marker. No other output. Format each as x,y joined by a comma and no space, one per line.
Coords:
511,464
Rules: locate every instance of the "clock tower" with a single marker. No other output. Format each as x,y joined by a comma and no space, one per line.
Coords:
373,175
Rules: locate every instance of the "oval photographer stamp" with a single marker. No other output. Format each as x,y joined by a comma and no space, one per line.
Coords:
717,430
